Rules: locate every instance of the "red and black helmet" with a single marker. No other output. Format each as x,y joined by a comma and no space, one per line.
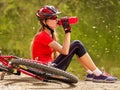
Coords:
46,12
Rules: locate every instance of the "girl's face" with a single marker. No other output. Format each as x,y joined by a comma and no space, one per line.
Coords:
52,22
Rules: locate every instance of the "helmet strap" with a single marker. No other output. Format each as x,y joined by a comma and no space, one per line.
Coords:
45,25
51,30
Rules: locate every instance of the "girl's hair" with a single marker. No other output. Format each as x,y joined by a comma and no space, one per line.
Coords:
54,35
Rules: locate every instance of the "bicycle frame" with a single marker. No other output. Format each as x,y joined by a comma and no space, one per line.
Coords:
5,60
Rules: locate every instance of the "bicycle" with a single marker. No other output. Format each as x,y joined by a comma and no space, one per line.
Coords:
16,65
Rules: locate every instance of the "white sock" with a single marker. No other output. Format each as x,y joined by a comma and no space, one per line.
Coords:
97,72
89,71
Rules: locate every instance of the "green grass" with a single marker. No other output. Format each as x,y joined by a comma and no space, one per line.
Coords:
76,68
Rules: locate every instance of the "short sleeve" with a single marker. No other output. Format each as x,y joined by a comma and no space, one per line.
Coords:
45,39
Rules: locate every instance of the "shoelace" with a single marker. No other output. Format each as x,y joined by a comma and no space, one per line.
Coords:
105,73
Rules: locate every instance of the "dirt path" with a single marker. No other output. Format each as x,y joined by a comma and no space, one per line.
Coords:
28,83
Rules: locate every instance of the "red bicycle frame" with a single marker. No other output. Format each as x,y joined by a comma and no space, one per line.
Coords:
5,60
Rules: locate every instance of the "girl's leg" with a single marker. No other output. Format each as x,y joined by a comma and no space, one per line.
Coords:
63,61
86,68
76,47
87,62
89,65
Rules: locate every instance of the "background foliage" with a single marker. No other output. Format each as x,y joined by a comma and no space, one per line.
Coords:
98,29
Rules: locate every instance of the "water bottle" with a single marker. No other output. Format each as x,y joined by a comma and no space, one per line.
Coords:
72,20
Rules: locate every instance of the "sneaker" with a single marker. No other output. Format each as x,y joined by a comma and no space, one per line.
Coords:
89,77
107,74
104,78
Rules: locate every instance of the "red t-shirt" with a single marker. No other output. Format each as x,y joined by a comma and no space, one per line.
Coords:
40,49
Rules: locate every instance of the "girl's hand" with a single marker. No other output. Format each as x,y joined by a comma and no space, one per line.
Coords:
65,24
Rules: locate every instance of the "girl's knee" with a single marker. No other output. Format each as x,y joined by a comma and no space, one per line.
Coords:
77,42
79,47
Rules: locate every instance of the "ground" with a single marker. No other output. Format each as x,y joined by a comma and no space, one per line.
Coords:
23,82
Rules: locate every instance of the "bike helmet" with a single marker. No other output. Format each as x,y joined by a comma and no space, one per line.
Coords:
46,12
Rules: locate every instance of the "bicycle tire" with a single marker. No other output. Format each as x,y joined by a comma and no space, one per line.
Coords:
47,77
3,68
68,77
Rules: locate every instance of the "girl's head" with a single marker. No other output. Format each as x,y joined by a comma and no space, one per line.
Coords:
47,16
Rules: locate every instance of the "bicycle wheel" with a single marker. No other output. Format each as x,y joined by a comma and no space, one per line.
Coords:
65,76
47,76
3,68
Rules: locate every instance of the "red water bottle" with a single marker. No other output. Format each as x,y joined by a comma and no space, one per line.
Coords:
72,20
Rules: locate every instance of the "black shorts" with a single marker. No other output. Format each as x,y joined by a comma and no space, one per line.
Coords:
63,61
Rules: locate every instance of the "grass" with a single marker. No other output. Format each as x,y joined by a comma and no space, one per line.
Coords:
76,68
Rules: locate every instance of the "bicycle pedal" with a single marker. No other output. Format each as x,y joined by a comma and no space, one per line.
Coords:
16,72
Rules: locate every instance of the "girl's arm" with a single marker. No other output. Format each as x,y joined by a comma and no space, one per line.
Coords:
63,49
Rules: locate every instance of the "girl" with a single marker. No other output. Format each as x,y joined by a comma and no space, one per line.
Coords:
44,45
